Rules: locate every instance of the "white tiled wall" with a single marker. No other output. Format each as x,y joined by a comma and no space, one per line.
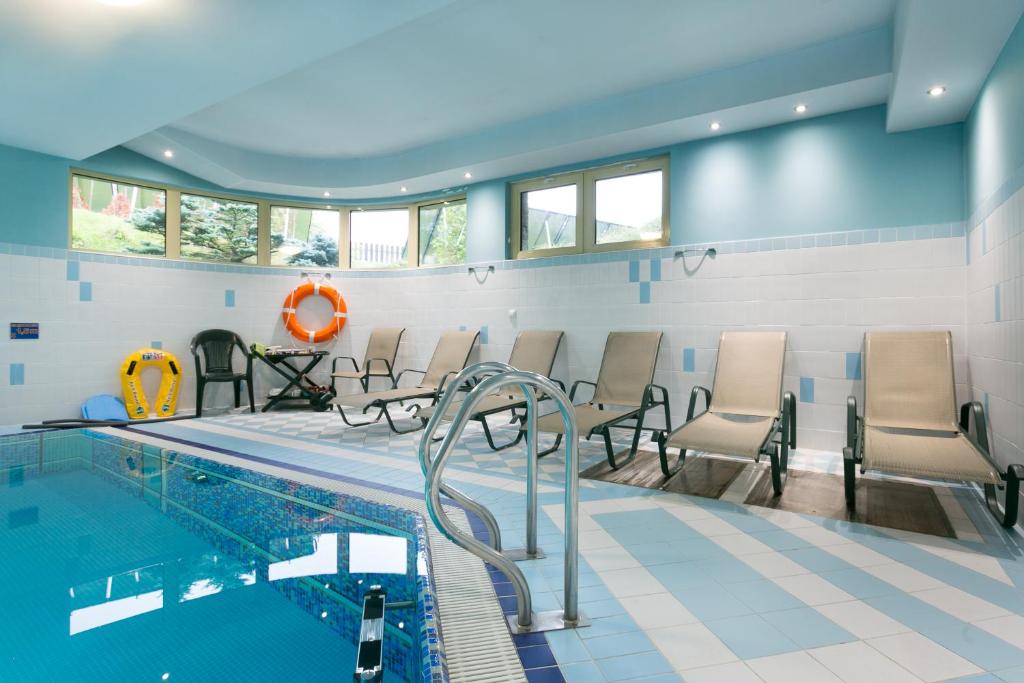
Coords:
995,323
826,297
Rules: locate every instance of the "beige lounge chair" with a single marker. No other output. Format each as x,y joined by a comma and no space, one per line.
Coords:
378,361
625,380
450,357
746,412
535,351
910,425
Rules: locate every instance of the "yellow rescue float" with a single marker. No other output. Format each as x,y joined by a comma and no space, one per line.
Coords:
131,382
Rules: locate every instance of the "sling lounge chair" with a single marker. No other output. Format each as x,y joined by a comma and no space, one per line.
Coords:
450,356
746,414
535,351
379,360
910,425
625,380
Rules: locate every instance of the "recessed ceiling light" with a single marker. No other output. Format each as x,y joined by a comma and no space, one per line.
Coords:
800,108
715,125
467,175
327,194
404,188
937,90
169,153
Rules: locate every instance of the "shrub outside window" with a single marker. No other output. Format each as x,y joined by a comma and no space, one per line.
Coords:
379,238
442,233
117,217
215,229
620,206
304,236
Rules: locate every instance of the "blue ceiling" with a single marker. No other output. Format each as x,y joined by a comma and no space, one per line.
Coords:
361,97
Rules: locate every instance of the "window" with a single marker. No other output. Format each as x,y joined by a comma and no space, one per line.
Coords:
621,206
108,215
304,237
442,234
379,238
214,229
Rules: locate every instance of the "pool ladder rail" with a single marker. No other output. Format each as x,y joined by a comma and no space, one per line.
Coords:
532,385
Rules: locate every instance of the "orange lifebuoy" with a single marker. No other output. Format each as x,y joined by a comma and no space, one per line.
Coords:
291,304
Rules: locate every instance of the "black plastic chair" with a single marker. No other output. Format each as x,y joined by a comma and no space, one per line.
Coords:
218,347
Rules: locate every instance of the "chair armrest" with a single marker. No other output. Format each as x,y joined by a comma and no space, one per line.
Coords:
367,365
399,378
445,378
697,391
664,392
572,391
334,363
980,437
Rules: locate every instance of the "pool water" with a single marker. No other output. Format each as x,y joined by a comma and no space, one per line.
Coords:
125,562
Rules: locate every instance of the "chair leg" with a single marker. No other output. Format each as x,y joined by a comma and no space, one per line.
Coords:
554,447
238,392
778,472
1007,514
662,439
490,440
252,397
396,430
344,417
200,389
850,479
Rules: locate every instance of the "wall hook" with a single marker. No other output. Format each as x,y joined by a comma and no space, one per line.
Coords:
473,271
704,254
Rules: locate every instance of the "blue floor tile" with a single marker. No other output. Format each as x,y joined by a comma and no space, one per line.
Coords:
633,666
808,628
751,636
619,644
763,596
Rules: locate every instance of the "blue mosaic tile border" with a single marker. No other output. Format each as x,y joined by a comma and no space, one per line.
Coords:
828,239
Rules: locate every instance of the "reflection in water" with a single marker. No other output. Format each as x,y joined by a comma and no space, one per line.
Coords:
323,558
375,554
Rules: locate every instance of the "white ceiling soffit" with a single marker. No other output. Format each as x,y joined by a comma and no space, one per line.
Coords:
950,43
842,74
81,76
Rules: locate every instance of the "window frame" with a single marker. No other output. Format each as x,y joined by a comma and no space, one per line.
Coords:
586,207
263,238
412,248
438,202
90,175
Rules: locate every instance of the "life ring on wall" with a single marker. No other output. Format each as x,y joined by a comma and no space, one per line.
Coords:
131,383
329,331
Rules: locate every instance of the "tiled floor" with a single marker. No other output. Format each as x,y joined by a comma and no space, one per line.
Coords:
684,588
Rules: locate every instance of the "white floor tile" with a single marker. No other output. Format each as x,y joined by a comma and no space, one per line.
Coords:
633,581
1010,629
735,672
858,555
690,646
860,663
924,658
792,667
961,604
861,619
773,564
812,589
659,610
905,578
712,526
608,559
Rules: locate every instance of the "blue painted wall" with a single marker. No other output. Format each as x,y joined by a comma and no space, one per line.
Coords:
833,173
994,131
487,217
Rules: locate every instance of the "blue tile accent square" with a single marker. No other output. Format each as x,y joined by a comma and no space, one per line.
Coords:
85,291
998,307
17,374
645,292
156,344
483,334
73,267
689,355
807,390
888,235
229,298
853,365
634,271
655,270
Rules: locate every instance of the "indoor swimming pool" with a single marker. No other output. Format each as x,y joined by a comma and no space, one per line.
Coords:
129,550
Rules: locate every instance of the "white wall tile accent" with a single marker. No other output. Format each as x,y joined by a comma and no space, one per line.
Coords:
825,297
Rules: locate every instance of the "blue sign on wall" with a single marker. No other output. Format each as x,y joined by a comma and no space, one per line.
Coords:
24,330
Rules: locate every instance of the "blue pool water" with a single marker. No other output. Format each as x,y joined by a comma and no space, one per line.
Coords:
125,562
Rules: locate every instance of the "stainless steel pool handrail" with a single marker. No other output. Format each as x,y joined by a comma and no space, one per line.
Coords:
524,620
427,439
